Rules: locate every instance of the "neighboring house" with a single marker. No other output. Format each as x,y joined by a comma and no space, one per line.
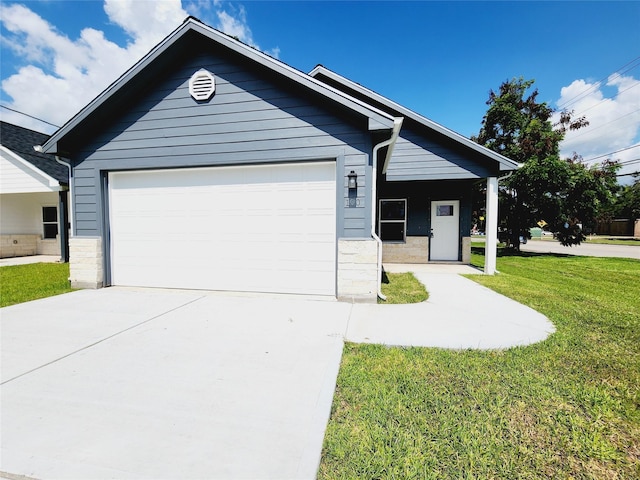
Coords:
211,165
33,196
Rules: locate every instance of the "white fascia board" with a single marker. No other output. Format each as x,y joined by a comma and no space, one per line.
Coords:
504,162
379,120
41,176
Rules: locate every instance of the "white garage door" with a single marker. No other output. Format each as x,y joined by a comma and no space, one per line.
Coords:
256,228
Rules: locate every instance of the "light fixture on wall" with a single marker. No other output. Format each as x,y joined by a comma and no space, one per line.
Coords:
353,180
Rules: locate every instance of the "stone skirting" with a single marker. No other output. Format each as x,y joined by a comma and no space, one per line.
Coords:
24,245
414,250
466,250
18,245
357,270
49,246
85,262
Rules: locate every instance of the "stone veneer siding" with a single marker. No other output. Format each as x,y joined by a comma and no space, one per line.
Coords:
85,262
466,250
29,244
357,270
18,245
414,250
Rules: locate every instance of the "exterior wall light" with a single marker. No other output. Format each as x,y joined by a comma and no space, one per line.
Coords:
353,180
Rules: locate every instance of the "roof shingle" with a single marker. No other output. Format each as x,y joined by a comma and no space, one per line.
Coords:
21,141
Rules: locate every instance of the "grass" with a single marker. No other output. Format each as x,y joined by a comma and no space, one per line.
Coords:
22,283
568,407
402,288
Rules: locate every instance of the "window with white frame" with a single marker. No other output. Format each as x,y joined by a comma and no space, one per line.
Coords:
392,225
49,222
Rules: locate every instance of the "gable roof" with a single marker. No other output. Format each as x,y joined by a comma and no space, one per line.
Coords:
160,55
20,141
322,73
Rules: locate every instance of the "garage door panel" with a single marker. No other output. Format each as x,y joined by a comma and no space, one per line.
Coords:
259,228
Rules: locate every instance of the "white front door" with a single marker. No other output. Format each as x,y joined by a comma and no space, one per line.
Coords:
445,228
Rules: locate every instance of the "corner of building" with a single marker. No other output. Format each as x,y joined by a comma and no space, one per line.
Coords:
86,262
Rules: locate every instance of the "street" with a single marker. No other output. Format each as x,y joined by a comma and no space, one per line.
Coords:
587,249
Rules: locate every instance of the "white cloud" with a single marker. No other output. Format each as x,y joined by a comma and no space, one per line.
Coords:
229,18
614,120
60,75
147,23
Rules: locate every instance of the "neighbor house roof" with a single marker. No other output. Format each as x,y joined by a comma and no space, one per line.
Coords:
322,73
20,141
160,56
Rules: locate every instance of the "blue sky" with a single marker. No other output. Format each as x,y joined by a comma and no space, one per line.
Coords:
437,58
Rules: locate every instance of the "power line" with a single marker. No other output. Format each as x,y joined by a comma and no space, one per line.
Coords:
589,130
596,85
611,153
605,99
30,116
630,162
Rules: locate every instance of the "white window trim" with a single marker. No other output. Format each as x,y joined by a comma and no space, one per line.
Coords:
403,221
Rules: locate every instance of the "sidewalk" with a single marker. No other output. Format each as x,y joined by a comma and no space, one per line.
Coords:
459,314
30,259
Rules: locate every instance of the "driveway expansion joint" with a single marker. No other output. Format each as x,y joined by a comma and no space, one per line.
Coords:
56,360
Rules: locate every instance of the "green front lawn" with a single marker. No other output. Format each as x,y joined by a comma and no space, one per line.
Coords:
402,288
568,407
22,283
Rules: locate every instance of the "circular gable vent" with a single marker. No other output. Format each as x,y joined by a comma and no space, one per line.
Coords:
202,85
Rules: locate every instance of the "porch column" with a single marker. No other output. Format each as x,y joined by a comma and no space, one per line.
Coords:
491,226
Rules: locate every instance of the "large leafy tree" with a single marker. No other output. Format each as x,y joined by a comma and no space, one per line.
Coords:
563,193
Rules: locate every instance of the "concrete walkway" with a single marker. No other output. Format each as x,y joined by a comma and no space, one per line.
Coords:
459,314
30,259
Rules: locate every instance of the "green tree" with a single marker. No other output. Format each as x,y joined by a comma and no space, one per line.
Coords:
564,193
628,204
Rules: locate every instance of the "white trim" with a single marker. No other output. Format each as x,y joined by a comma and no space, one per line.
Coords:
505,162
378,120
52,183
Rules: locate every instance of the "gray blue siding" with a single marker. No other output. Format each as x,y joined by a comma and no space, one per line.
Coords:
418,158
251,119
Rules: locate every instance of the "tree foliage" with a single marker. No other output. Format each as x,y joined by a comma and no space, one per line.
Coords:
628,202
563,193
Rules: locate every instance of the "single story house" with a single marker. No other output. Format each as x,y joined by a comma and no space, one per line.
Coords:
211,165
33,196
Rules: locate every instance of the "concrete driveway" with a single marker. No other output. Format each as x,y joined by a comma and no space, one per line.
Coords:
166,384
129,383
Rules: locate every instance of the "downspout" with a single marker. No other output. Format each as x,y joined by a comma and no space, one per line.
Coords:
68,165
505,176
397,124
38,148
